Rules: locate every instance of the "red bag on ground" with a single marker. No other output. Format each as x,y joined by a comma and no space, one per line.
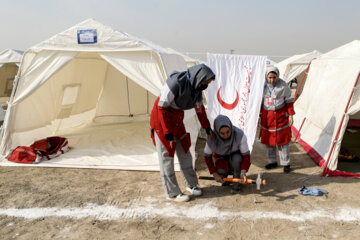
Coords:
23,154
51,147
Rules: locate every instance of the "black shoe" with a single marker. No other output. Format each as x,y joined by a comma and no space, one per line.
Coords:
224,184
287,169
271,165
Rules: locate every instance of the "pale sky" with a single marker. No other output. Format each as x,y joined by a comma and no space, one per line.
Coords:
254,27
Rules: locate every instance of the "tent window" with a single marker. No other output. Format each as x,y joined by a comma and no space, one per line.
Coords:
69,98
9,86
70,95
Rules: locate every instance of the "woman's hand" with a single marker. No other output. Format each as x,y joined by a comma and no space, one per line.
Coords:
172,144
217,177
210,133
243,175
170,138
291,121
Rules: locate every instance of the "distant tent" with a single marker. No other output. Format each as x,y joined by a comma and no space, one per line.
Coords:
9,64
189,60
10,56
295,66
96,87
330,98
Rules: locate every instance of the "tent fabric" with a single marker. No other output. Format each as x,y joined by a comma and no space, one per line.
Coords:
11,56
189,60
88,92
321,106
349,50
9,65
294,66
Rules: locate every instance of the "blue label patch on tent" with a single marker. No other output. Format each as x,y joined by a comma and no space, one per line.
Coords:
87,36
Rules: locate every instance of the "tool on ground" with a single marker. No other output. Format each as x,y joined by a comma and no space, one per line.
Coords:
258,180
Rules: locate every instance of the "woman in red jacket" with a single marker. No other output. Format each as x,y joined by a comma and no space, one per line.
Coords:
227,152
182,91
276,119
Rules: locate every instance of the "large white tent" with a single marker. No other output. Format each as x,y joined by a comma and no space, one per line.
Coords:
95,86
331,96
9,64
295,66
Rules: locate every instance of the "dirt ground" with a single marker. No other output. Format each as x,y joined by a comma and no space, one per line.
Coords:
62,203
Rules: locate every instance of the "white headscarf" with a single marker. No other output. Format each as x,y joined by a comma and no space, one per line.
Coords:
272,69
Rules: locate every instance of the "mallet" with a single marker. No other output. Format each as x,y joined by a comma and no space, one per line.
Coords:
258,180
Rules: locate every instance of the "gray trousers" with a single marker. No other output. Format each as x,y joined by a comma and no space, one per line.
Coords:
235,160
167,171
284,153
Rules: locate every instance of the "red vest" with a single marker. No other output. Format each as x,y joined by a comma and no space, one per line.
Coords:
170,120
275,129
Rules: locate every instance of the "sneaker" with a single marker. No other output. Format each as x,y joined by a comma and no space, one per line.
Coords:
271,165
179,198
194,191
287,169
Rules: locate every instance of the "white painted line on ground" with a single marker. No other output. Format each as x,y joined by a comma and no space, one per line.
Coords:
197,212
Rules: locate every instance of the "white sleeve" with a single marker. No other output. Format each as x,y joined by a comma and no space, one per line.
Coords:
166,96
244,149
207,150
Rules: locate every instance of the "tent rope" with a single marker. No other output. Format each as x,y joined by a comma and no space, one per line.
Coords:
128,97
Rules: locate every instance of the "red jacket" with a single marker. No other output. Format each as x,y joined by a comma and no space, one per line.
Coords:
170,120
275,129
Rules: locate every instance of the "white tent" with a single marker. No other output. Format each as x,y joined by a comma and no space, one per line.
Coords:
331,96
10,56
295,66
95,86
9,64
189,60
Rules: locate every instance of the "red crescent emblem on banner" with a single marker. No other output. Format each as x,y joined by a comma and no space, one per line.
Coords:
228,105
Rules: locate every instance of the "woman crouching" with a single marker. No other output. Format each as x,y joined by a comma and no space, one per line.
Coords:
227,153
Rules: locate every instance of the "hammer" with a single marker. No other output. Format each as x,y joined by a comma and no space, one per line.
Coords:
258,180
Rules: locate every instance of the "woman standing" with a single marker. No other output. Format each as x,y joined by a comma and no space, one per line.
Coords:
182,91
276,119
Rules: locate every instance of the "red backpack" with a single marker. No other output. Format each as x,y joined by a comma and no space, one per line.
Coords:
24,154
50,147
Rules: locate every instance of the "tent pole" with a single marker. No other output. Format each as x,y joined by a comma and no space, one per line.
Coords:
128,97
147,102
302,80
325,166
298,134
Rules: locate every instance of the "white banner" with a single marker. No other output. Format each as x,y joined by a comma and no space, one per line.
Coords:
237,90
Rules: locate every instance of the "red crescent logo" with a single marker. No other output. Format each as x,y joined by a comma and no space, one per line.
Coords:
228,105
